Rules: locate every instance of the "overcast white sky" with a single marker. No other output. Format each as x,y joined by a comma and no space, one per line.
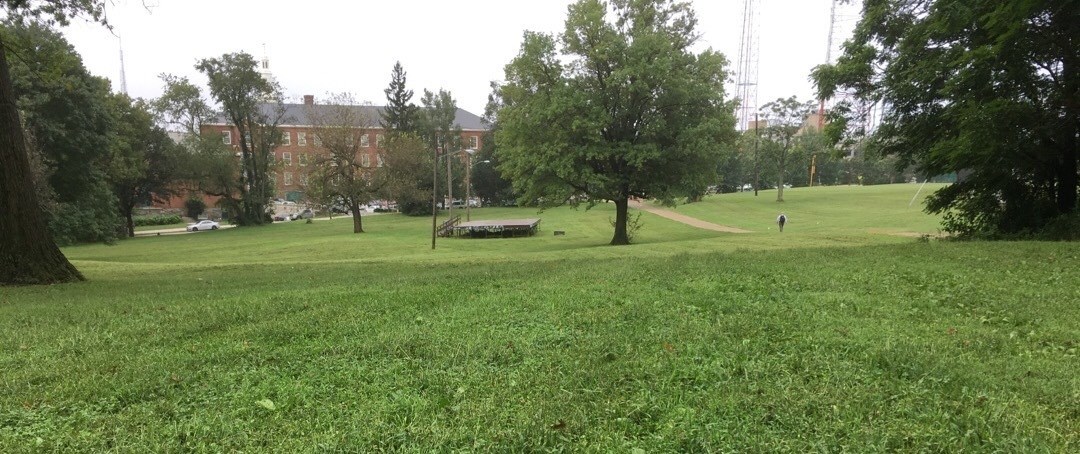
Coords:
326,46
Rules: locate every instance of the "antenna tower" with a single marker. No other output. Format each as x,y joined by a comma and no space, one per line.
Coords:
746,71
123,76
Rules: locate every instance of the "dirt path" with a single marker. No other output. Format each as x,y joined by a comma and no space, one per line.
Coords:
693,222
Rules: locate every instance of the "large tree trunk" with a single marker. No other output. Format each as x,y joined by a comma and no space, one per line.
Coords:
357,223
621,217
780,181
28,255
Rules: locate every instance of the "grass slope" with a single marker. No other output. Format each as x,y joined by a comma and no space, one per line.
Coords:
304,337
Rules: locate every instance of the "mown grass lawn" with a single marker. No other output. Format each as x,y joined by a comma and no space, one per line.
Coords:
304,337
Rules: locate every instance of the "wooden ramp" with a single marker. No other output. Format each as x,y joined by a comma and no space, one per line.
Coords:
498,228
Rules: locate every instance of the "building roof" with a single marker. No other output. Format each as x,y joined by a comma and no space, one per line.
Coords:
297,115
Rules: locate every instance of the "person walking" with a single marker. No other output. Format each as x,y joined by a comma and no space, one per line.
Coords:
781,220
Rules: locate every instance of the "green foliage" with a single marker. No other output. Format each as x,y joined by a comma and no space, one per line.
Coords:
691,341
55,11
194,206
400,116
159,219
978,87
617,106
253,105
63,107
92,217
182,104
488,183
142,163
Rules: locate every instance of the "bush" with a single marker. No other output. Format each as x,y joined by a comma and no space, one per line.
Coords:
92,218
161,219
194,206
415,207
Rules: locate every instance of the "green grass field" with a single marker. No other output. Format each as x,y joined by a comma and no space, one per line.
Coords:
841,334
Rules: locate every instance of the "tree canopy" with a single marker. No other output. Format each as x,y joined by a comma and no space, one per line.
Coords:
28,254
988,89
616,106
784,139
253,105
400,115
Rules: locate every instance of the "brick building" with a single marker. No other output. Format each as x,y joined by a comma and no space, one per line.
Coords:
299,143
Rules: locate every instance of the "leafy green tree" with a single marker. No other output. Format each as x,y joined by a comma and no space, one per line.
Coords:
400,116
182,105
985,88
488,183
253,105
208,165
194,206
141,164
28,254
783,139
346,172
618,106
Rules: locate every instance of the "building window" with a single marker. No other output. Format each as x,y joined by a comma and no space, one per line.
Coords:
474,142
303,179
302,157
226,137
378,158
247,139
365,160
301,139
286,138
317,139
378,140
286,157
288,178
364,140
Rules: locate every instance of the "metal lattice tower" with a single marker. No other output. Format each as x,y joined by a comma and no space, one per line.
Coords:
843,17
746,70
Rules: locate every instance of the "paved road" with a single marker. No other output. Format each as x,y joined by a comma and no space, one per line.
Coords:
172,231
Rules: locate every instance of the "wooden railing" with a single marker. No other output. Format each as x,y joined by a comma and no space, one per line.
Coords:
447,228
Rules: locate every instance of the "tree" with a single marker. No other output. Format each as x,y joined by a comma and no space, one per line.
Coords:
784,139
28,255
182,104
65,112
989,89
346,172
488,183
142,158
253,105
400,116
622,109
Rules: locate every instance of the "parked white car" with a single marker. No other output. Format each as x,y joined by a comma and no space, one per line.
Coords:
204,224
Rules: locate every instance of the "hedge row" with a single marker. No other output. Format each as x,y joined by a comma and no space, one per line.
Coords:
161,219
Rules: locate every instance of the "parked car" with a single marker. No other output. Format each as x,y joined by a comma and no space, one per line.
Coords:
281,217
204,224
306,214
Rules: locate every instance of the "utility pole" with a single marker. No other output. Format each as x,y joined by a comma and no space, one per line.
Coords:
449,189
813,167
434,186
757,162
468,186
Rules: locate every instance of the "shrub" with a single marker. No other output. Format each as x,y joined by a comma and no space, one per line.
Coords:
91,218
161,219
194,206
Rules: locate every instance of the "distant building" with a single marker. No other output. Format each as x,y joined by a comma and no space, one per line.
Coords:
298,145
